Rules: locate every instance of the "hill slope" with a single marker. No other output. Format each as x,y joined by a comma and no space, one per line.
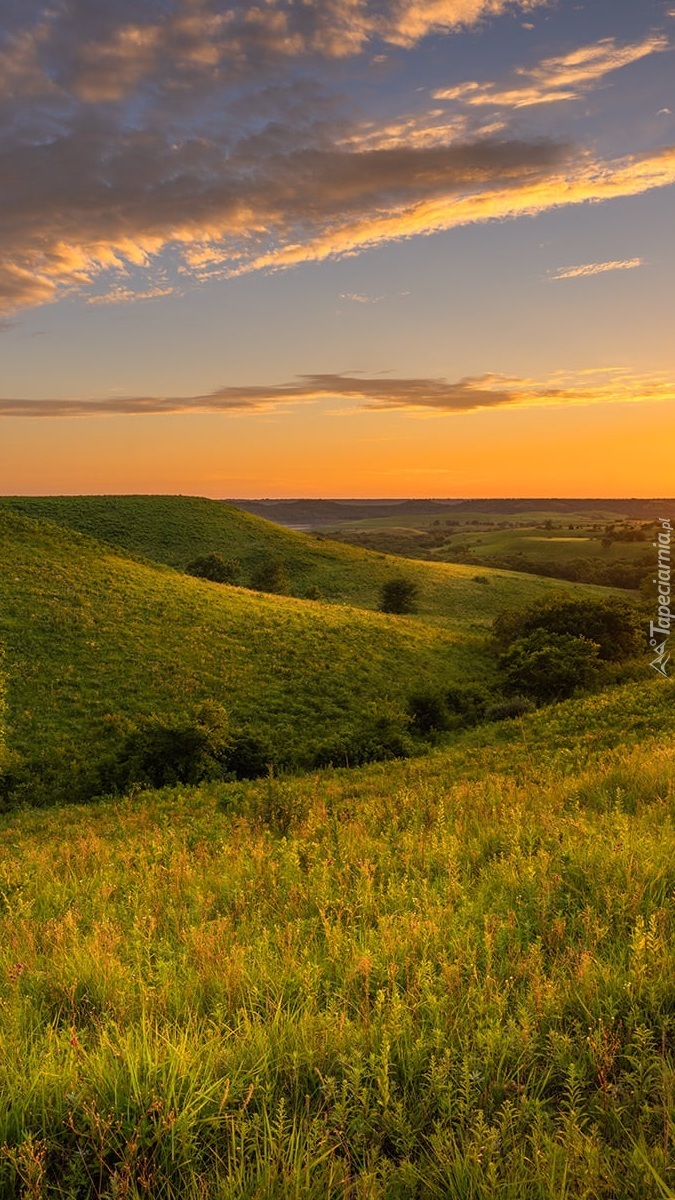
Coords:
450,977
176,529
89,631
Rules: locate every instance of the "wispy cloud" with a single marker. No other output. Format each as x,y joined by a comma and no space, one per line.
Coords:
598,268
373,394
563,77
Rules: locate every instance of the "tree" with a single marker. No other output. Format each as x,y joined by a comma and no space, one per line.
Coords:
271,576
215,568
612,624
549,666
399,595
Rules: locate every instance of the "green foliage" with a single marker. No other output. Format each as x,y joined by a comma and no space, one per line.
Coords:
613,624
399,595
428,712
160,752
467,703
272,577
215,568
549,666
442,977
508,710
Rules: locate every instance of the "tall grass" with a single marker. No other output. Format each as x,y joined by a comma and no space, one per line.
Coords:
450,977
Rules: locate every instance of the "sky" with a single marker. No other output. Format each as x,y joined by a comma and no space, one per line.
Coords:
337,247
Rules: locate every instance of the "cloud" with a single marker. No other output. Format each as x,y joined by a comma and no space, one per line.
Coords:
103,52
183,145
626,264
372,394
565,77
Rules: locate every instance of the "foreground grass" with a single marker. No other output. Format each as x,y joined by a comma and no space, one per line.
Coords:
450,977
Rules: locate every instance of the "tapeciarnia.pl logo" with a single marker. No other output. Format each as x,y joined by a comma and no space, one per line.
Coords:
659,630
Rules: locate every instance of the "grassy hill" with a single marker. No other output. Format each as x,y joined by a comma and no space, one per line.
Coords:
449,977
89,632
176,529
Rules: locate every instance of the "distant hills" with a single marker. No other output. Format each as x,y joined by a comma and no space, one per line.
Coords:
330,512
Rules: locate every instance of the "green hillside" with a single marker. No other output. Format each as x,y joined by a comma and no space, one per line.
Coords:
176,529
444,978
89,632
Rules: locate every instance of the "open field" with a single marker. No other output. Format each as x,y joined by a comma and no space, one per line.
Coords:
449,977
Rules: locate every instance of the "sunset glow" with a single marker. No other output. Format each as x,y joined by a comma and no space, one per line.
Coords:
355,248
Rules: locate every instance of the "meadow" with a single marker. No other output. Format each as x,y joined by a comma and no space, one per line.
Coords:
446,977
93,635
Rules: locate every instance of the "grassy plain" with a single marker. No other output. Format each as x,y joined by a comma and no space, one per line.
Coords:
443,978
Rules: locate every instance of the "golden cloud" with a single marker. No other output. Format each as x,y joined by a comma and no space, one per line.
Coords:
565,77
378,394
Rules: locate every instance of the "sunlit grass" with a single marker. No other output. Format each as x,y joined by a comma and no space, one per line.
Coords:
451,976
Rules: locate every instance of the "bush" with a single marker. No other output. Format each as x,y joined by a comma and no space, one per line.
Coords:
159,753
428,712
271,577
215,568
466,704
399,596
612,624
249,755
314,592
505,710
383,735
549,666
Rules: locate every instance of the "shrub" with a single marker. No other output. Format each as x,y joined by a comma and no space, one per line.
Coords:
215,568
549,666
382,735
504,710
314,593
428,712
399,595
271,576
158,752
249,755
466,704
612,624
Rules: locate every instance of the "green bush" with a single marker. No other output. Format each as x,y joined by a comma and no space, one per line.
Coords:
399,596
505,710
428,712
612,624
215,568
157,752
467,703
271,576
549,666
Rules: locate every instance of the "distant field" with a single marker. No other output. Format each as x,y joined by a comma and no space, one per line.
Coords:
425,523
536,543
444,978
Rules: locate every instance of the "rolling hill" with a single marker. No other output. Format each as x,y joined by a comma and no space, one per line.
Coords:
176,529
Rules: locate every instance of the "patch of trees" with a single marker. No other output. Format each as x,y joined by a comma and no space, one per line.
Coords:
271,575
399,595
550,651
215,568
